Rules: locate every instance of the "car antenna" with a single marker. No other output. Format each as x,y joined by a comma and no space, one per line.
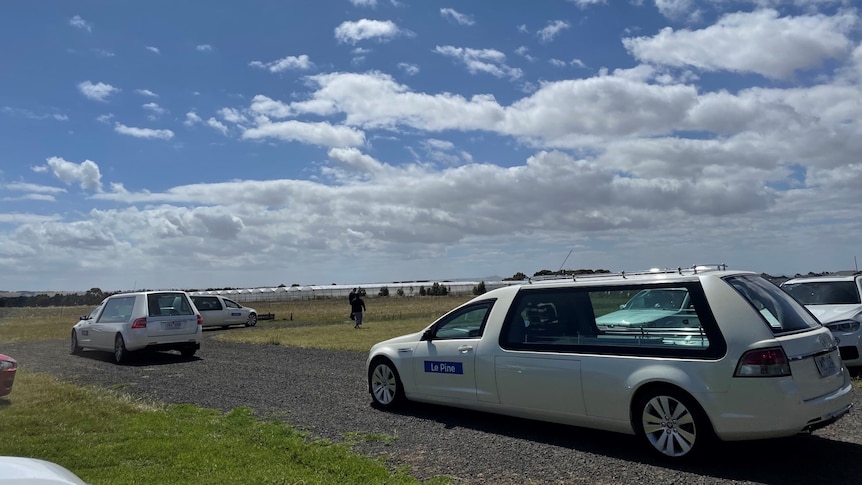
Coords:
564,261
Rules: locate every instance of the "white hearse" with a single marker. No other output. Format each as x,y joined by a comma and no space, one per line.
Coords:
746,362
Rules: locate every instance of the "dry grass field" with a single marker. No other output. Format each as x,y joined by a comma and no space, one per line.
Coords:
321,323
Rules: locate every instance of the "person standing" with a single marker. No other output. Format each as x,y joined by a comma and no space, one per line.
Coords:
350,297
357,306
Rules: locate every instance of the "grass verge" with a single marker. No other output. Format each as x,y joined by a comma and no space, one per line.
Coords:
108,437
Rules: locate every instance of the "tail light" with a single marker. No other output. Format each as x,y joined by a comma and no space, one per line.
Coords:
771,362
200,320
140,323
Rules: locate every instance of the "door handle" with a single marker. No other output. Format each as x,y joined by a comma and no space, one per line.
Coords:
465,348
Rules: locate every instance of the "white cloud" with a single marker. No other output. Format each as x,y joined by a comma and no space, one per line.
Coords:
364,3
86,173
587,3
489,61
759,42
265,106
26,113
354,159
146,133
80,23
27,187
233,116
204,48
147,93
552,30
192,119
456,16
217,125
153,49
154,109
352,32
321,133
97,92
409,69
301,62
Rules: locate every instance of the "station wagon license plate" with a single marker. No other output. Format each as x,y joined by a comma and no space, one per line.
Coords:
171,325
825,365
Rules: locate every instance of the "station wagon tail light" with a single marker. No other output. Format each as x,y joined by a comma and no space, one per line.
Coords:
140,323
200,320
771,362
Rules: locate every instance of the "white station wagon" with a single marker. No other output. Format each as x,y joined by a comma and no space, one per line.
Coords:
153,320
748,361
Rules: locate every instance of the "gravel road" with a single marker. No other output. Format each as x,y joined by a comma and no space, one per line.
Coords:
324,393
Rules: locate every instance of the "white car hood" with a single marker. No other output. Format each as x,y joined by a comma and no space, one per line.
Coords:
633,317
833,313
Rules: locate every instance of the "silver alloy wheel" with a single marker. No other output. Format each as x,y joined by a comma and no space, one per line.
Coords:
119,349
384,384
669,426
252,320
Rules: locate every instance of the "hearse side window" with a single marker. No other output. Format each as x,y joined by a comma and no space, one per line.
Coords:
117,309
659,319
468,322
779,310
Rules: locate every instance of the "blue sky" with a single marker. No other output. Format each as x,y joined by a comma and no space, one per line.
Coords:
211,144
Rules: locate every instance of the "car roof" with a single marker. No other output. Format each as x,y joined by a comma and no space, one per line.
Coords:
647,277
825,278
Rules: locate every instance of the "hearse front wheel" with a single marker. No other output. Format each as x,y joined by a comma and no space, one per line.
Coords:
385,384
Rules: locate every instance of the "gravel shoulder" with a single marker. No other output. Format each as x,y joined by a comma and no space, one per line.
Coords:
324,393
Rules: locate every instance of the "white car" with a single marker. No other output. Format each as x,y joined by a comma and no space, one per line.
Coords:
750,364
218,311
152,320
18,470
835,301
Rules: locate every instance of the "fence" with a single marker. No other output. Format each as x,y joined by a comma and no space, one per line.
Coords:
311,292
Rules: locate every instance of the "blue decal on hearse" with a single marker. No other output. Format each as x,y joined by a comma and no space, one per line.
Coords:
444,367
237,314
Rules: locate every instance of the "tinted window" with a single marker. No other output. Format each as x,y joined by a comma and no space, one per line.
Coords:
602,320
778,309
204,303
467,322
824,292
118,309
161,304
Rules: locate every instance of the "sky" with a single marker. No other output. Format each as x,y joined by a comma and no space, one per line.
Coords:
202,144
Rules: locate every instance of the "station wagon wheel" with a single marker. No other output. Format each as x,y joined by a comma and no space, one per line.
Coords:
252,320
672,424
120,352
385,384
74,348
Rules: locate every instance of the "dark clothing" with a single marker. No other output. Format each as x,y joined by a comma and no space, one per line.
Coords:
357,306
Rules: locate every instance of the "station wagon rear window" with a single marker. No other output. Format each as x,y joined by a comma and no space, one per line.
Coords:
779,310
656,320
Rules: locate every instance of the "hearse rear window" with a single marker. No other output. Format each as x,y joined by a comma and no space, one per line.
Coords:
650,320
779,310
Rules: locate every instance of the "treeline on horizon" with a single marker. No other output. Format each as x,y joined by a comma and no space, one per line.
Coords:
94,296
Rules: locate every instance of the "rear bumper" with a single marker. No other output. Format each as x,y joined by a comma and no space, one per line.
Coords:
775,409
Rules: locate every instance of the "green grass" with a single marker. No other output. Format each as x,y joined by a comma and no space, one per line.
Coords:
325,324
106,437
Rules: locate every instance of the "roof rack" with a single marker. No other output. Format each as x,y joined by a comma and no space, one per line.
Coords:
693,269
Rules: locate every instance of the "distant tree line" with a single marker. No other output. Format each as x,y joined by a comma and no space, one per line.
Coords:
91,297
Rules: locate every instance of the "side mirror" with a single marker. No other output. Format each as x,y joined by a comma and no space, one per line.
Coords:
622,307
427,335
